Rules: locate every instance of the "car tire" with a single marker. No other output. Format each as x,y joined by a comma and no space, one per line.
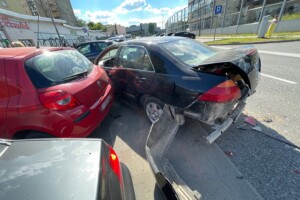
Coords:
153,108
36,134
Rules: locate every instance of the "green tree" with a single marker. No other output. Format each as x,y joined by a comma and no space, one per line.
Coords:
96,26
91,25
81,22
151,28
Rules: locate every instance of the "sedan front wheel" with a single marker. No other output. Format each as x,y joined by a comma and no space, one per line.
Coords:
153,109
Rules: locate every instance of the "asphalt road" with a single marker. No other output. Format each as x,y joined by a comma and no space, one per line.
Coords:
272,167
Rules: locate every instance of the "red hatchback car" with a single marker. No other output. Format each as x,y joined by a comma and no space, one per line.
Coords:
51,92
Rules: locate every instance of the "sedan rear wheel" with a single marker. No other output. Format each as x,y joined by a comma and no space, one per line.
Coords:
153,109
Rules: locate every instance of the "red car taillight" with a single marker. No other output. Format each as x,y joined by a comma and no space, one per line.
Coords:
58,100
224,92
114,163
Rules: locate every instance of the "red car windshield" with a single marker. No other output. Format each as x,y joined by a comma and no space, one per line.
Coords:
53,68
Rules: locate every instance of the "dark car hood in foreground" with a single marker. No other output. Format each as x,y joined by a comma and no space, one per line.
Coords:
50,169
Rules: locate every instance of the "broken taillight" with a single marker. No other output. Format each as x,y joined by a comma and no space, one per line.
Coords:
58,100
224,92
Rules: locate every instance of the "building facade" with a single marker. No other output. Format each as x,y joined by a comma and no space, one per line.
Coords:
236,16
24,28
142,30
19,6
116,29
58,9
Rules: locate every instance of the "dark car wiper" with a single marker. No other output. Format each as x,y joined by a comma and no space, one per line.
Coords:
74,76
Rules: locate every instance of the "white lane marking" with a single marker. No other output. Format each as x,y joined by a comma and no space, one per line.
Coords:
274,53
294,55
280,79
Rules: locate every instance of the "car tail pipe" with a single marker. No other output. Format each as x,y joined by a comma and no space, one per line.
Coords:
160,137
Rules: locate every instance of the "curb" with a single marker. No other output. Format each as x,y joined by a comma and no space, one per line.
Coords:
279,41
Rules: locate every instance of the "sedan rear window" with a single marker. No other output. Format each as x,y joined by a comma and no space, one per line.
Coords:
56,67
190,52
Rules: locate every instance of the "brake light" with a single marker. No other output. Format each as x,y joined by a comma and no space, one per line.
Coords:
224,92
58,100
114,163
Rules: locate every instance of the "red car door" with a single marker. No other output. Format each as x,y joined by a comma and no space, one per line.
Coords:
4,98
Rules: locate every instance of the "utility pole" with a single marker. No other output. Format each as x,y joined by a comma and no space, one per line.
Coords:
59,38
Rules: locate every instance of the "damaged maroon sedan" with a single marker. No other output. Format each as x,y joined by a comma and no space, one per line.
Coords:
198,81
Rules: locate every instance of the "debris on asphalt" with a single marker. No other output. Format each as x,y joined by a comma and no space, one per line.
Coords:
257,128
250,120
268,120
242,128
228,153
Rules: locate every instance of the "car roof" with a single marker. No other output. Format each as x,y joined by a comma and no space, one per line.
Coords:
94,41
151,40
22,52
67,169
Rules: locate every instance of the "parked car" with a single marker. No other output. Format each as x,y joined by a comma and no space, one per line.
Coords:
68,169
51,92
200,82
118,38
170,34
185,34
92,49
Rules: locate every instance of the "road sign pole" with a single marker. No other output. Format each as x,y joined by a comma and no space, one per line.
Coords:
218,10
215,31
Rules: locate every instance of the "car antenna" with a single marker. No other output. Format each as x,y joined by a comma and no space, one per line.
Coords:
38,33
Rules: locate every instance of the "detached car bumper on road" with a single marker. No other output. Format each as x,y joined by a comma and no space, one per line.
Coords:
62,169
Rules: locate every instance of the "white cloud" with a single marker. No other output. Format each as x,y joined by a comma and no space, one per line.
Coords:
157,15
130,6
149,8
77,12
174,10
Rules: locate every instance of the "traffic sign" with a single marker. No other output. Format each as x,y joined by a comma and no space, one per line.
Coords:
84,30
218,9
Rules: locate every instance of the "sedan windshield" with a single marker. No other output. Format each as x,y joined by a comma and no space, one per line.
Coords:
53,68
190,52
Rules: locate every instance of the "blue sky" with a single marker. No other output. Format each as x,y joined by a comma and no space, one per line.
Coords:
127,12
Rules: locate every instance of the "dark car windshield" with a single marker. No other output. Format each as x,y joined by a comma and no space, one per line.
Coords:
52,68
190,52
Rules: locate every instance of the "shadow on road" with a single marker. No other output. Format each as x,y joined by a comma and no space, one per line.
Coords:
127,123
272,167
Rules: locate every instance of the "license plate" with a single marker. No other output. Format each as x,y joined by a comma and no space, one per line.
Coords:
105,103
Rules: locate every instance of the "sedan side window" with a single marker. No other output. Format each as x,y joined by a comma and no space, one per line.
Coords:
135,58
108,58
85,49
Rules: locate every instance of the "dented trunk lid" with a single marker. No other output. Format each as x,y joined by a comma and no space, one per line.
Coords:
245,59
